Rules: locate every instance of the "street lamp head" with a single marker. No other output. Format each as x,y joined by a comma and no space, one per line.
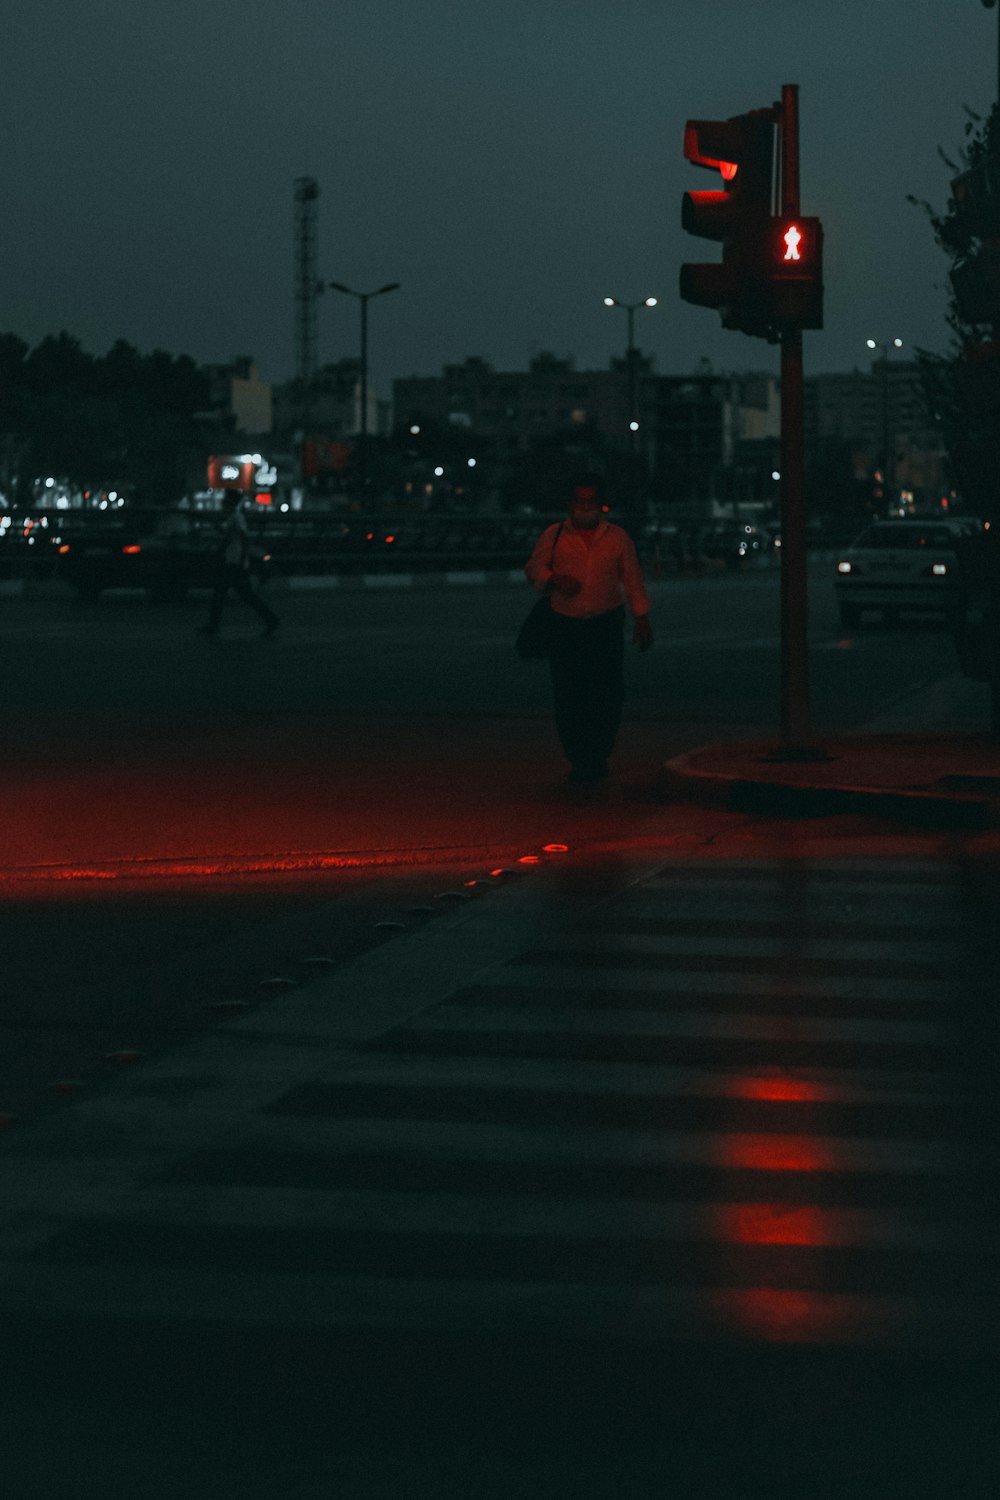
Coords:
338,286
611,302
871,343
390,286
898,343
650,302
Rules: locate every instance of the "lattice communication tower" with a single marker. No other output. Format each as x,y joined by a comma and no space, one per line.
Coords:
306,284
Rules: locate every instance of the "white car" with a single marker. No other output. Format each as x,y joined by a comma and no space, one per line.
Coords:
906,565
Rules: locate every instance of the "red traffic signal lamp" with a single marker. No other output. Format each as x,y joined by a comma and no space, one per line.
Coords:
795,272
741,149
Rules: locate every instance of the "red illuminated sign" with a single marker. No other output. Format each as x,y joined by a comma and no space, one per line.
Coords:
796,272
240,471
227,472
796,247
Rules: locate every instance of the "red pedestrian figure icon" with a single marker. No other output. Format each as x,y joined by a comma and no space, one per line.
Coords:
792,241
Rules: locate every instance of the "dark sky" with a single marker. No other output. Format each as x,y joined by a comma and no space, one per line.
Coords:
508,163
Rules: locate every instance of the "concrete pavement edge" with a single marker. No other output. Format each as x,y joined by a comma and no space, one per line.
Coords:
739,777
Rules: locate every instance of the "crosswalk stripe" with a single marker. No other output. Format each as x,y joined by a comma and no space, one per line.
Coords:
633,1313
739,980
703,939
675,1023
506,1214
936,960
578,991
658,1124
720,1150
701,1051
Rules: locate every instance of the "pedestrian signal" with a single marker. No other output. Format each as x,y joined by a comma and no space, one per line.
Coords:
795,264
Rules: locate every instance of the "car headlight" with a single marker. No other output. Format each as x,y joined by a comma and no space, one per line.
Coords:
845,567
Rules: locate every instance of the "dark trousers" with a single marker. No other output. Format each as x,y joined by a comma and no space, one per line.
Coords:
587,659
234,576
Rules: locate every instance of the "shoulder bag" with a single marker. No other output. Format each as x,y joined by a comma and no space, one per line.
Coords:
532,641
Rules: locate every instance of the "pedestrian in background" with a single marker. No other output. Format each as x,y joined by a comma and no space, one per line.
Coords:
591,573
233,568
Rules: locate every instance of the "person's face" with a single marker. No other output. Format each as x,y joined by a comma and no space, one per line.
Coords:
585,509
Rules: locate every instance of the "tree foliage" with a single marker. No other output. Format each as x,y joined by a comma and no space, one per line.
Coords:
122,417
963,386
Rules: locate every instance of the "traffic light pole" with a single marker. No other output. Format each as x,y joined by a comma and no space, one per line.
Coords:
769,285
795,721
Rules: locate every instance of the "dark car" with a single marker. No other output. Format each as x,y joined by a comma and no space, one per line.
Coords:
164,552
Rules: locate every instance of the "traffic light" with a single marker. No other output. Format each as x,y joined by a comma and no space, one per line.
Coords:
742,150
795,272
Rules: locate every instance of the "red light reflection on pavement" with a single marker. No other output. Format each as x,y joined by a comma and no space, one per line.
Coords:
775,1313
799,1089
777,1153
25,877
776,1224
792,1317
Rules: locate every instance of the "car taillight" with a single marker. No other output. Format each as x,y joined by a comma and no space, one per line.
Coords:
132,549
64,548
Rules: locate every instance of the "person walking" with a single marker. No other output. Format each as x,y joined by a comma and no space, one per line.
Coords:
233,569
589,568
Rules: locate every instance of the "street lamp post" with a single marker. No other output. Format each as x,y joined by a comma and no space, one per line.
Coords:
896,344
630,371
364,298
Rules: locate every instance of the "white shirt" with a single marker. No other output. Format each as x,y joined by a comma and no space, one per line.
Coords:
603,561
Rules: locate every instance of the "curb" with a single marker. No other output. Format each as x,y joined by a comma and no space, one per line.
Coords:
745,794
29,588
285,862
36,588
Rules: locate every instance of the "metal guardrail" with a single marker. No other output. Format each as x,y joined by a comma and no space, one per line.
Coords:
304,543
317,542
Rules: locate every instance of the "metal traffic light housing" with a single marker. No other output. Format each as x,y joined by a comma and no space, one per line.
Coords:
770,278
741,149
